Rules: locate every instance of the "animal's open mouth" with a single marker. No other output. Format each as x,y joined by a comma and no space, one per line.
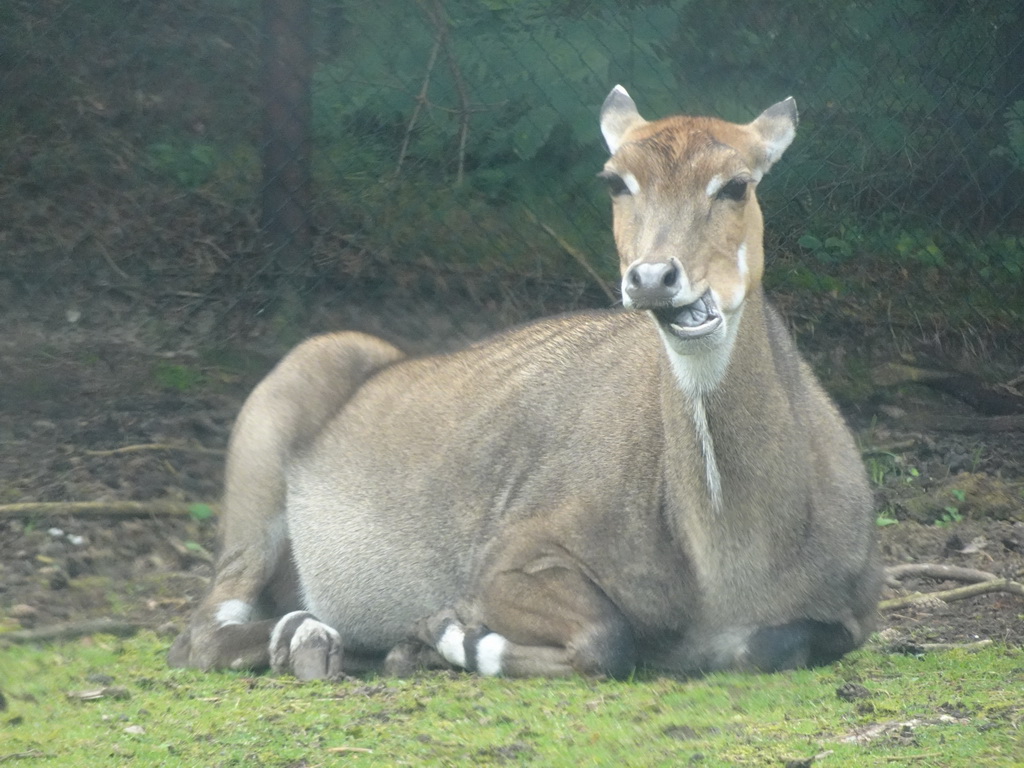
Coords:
692,321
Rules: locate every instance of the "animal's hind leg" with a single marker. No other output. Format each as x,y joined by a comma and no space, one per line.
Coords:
801,643
255,581
540,621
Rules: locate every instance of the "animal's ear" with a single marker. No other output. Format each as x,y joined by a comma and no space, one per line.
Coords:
618,115
776,127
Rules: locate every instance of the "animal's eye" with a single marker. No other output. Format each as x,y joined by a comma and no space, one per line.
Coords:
616,185
734,190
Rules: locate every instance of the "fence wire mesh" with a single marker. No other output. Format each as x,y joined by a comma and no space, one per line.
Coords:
216,148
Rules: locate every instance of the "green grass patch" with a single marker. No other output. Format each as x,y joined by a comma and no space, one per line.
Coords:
104,700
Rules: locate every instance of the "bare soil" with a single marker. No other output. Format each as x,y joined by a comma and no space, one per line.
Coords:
114,401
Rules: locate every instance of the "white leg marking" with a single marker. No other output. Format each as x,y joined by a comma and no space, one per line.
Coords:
233,612
451,647
489,651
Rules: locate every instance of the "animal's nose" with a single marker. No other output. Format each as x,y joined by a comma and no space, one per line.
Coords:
652,283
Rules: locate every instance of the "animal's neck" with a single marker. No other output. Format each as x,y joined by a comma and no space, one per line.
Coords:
700,386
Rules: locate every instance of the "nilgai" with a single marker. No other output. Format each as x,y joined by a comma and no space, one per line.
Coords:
665,485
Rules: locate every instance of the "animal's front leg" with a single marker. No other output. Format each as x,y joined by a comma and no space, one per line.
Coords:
543,620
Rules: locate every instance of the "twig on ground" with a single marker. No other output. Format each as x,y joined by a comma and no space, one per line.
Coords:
983,424
143,447
50,509
939,572
897,445
23,755
950,595
71,630
936,647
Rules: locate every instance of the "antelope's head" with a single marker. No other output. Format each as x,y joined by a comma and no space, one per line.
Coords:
686,220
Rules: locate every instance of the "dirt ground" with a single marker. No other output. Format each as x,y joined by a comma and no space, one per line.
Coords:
111,402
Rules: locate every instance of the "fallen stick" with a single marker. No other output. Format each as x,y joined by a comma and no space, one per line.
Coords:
977,645
146,447
72,630
950,595
939,572
50,509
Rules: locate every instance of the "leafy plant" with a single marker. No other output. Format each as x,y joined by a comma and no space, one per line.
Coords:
831,250
175,376
886,517
951,514
200,512
1014,147
190,165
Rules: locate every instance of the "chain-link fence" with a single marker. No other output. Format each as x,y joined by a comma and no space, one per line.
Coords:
216,148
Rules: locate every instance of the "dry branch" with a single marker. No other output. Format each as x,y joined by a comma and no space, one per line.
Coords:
46,509
950,595
977,645
940,423
939,572
145,447
72,630
575,253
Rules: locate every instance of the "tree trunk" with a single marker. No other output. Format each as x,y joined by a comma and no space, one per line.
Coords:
287,116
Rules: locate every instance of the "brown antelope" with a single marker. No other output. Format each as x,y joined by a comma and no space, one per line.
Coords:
666,485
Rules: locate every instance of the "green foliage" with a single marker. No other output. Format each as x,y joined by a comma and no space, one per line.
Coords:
508,114
201,512
189,165
886,517
831,250
1014,147
951,514
440,124
177,377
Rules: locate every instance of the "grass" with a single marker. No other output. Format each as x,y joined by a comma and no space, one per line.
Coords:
967,708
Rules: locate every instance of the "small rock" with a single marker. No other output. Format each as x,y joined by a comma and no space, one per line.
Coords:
135,730
22,611
168,629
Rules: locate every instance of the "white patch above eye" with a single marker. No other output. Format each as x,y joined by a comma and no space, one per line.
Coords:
630,181
716,184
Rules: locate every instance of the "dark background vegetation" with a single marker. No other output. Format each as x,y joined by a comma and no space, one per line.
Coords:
453,146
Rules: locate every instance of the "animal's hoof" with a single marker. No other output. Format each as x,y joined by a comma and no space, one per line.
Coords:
305,647
412,656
